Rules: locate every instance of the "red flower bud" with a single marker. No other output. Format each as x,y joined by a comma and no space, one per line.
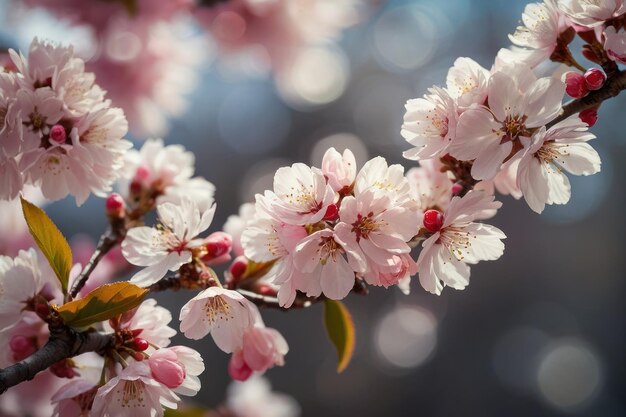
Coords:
332,212
115,205
433,220
589,116
140,344
595,78
575,85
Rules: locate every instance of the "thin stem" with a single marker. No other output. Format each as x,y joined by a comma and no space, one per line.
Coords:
107,242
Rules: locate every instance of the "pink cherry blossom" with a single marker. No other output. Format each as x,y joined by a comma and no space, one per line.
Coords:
445,255
563,147
339,169
236,224
74,399
167,246
168,171
177,368
302,195
543,23
133,393
263,348
430,124
467,82
382,179
225,314
430,187
518,101
591,13
615,44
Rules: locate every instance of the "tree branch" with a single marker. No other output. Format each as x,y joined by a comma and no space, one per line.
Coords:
612,88
107,242
63,343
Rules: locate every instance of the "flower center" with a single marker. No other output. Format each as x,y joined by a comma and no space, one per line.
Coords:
364,226
132,395
328,248
457,241
513,127
217,309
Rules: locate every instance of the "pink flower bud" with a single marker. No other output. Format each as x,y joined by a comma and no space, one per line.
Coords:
22,347
457,188
589,116
140,344
115,205
575,85
332,212
237,367
238,267
433,220
57,134
142,173
166,368
595,78
64,369
217,244
267,290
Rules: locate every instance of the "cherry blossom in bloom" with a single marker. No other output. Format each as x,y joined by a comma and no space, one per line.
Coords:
430,124
177,368
458,241
339,169
383,179
301,195
148,321
518,101
467,82
225,314
591,13
372,230
267,239
430,187
31,398
615,44
505,182
74,399
20,281
322,262
263,348
22,338
133,393
244,399
167,171
68,138
563,147
543,23
169,245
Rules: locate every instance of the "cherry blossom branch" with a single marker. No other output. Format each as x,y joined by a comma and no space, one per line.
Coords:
64,342
614,85
107,241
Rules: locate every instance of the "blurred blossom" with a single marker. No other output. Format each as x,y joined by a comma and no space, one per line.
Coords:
570,375
406,337
406,38
515,356
147,68
250,115
340,141
255,398
316,76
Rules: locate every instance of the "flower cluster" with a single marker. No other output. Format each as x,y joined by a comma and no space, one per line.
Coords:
499,122
57,131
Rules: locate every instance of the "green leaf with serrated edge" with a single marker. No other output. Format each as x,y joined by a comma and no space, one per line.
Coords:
187,412
340,330
103,303
50,241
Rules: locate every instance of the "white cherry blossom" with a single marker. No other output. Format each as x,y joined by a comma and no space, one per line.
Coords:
563,147
591,13
467,82
459,241
167,246
339,169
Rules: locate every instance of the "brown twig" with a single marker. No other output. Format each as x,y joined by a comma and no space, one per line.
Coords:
64,342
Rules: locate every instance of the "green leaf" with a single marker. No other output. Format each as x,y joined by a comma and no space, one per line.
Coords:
186,412
50,240
340,330
103,303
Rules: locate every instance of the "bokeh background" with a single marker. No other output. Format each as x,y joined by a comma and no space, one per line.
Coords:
541,332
